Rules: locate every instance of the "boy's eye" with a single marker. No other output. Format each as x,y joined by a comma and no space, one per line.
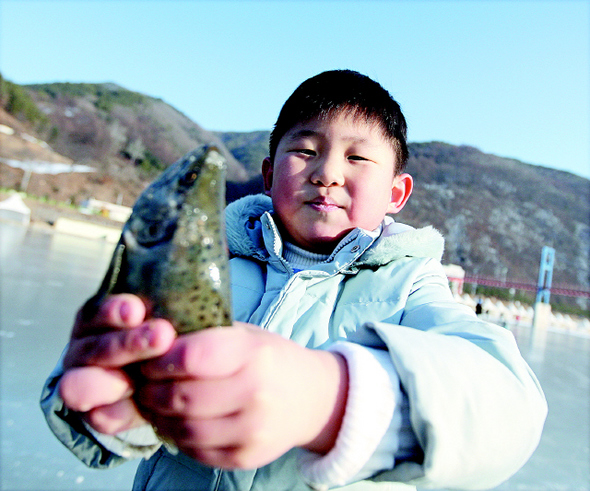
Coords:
304,151
356,157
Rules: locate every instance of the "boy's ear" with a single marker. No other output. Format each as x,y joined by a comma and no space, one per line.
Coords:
267,171
400,192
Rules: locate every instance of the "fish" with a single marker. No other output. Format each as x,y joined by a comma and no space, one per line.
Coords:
173,252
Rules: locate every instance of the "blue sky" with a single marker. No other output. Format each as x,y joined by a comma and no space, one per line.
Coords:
511,78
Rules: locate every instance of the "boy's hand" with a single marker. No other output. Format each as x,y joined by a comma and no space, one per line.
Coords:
240,397
94,381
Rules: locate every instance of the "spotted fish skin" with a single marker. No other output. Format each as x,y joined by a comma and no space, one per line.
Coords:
172,251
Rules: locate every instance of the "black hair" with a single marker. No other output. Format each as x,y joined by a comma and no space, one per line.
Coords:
330,93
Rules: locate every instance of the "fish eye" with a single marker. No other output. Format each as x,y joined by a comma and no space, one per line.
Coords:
154,233
153,230
189,178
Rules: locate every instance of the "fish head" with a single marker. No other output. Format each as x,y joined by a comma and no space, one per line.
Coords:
156,213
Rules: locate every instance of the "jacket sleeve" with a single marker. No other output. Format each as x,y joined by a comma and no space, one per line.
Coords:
94,449
475,406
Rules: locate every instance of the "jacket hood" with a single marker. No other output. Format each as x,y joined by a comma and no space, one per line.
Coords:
242,223
396,241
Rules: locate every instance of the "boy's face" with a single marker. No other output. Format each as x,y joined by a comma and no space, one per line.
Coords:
331,176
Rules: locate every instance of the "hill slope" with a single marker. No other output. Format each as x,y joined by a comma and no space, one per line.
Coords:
498,213
100,122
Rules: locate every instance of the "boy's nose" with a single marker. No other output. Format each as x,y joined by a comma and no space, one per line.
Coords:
328,172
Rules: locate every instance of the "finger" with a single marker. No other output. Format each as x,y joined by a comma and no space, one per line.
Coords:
219,458
222,442
118,311
200,433
211,353
196,398
114,418
85,388
121,347
229,458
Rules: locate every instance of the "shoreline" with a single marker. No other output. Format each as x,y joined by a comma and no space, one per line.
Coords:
45,215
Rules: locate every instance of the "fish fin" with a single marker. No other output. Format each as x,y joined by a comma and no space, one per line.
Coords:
108,283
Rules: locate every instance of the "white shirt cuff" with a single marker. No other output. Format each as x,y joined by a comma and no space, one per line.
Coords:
372,413
140,442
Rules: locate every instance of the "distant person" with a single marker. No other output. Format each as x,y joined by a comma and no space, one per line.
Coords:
479,307
349,362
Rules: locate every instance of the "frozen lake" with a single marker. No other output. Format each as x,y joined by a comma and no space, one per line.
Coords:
44,279
46,276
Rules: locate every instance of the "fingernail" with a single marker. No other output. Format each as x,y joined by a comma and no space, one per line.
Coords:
149,336
141,338
124,311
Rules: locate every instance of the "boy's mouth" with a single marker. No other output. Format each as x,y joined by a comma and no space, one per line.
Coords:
323,204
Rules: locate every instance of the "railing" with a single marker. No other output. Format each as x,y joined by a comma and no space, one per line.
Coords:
519,285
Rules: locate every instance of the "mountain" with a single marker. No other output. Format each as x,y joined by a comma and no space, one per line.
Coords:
119,132
496,213
249,148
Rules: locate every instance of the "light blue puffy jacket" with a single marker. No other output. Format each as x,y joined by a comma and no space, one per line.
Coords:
473,404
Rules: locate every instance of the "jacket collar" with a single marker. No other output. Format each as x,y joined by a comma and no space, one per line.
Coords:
246,217
399,240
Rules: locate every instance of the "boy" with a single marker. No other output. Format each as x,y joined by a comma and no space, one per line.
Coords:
349,364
